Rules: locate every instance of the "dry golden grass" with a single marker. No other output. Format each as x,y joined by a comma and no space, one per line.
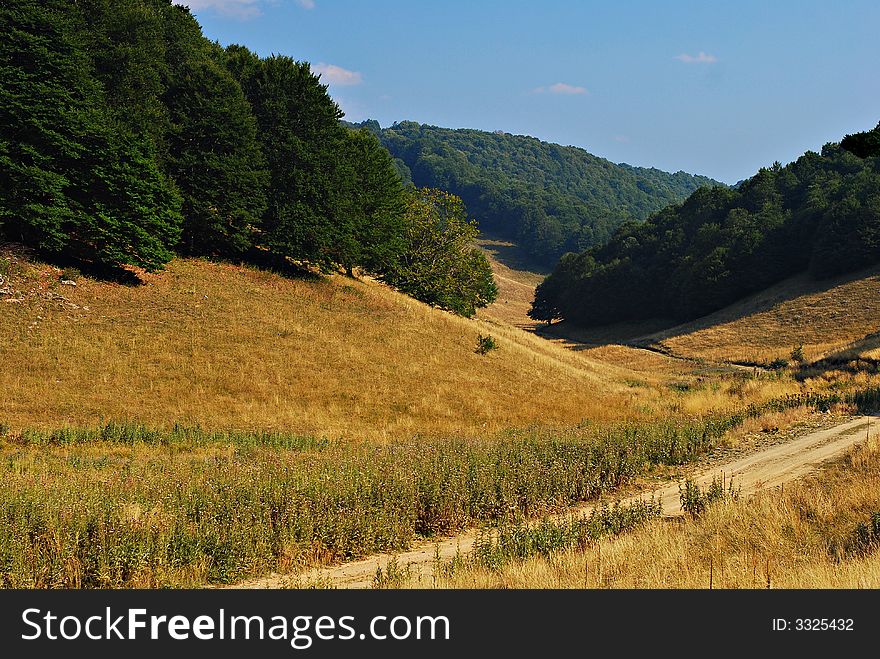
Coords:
821,316
797,537
516,288
224,346
230,347
710,394
770,422
653,371
645,362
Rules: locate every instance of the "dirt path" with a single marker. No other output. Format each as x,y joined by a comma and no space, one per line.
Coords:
764,468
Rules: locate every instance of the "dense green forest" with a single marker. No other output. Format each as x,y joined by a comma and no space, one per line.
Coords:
819,214
127,137
550,199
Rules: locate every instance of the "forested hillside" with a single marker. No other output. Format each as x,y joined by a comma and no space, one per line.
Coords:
819,214
129,137
551,199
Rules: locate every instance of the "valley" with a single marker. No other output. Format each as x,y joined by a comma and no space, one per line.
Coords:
105,366
251,336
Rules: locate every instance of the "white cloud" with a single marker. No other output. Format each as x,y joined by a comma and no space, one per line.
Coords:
336,75
306,4
236,8
561,88
701,58
623,139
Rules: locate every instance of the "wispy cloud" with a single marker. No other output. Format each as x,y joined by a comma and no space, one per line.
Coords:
700,58
306,4
242,9
623,139
560,88
336,75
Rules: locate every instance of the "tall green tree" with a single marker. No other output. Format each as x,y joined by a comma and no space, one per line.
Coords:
47,105
440,264
128,43
72,182
214,151
302,141
132,211
369,205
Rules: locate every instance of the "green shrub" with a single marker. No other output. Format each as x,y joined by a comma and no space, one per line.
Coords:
519,541
485,344
394,575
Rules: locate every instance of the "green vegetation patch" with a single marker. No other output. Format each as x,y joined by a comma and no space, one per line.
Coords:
126,506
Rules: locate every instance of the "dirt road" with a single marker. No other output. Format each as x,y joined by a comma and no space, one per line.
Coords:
768,467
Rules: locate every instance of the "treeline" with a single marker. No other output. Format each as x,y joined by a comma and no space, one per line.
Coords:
129,137
819,214
550,199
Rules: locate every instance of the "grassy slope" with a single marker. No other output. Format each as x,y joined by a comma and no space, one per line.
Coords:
823,316
837,318
224,346
516,281
799,538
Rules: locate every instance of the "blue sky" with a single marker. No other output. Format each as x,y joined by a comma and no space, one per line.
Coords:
714,88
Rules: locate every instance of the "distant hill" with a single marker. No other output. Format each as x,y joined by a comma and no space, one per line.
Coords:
819,214
550,199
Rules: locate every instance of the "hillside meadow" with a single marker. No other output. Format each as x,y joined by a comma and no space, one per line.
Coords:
218,422
821,316
226,346
211,400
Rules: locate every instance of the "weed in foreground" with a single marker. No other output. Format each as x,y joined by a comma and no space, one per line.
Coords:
695,501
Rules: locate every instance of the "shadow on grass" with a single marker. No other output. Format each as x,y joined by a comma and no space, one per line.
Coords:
131,276
849,359
512,255
651,333
281,266
72,267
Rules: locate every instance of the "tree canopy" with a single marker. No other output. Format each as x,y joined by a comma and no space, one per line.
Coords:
864,145
440,263
74,181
